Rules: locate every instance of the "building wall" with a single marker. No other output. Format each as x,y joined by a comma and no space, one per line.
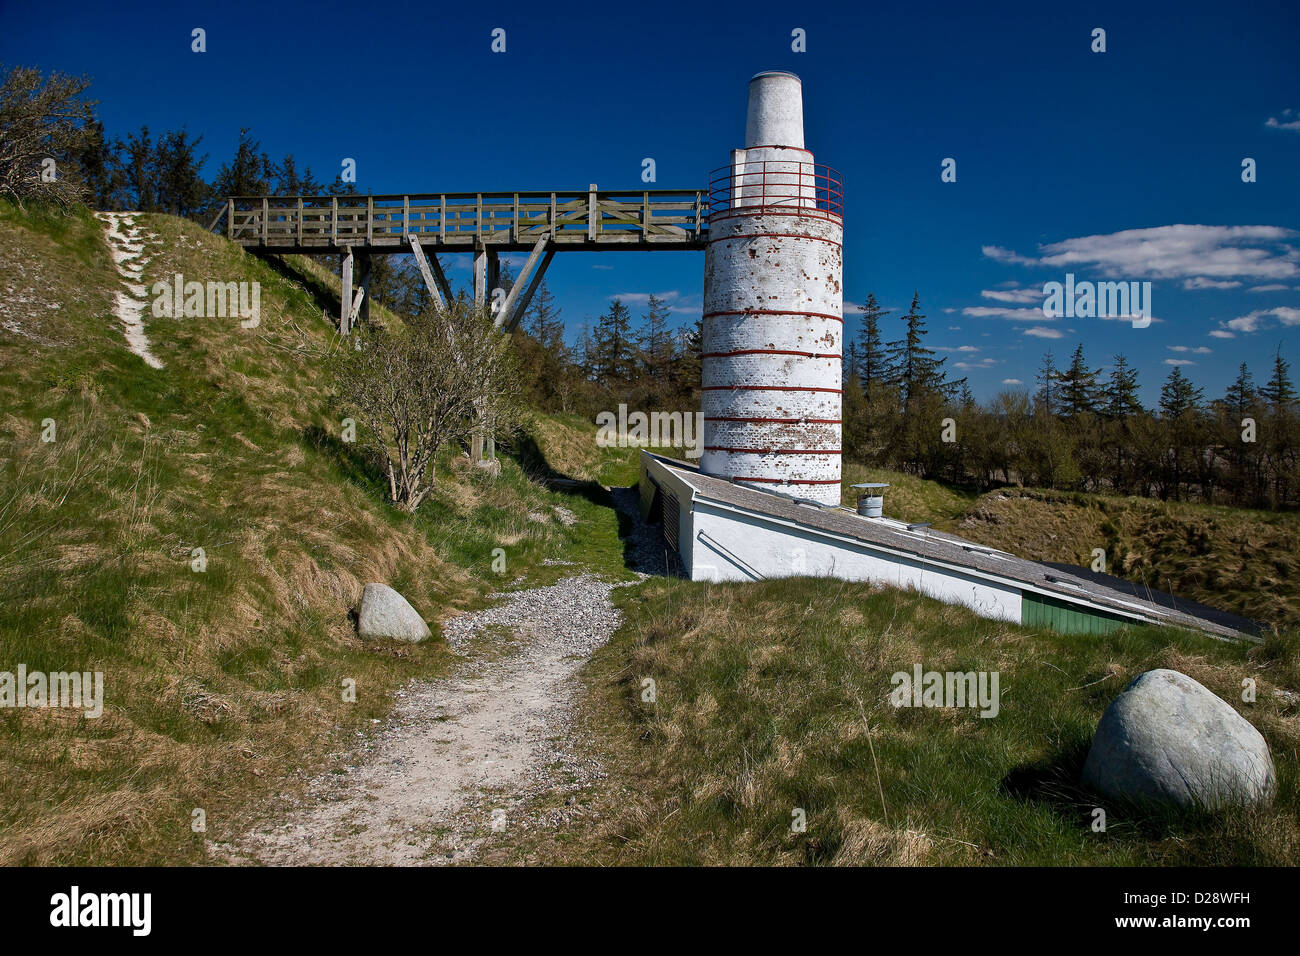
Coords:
726,546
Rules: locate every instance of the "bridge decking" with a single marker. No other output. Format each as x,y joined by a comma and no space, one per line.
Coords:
593,219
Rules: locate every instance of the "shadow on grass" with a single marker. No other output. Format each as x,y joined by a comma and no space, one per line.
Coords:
1055,783
327,298
643,546
352,462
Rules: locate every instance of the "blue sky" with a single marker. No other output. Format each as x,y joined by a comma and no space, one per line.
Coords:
1067,160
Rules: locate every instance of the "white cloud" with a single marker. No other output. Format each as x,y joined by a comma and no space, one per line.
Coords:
1290,120
1254,321
1180,251
1013,295
1200,282
1043,332
1012,381
1000,312
1271,287
1179,362
960,348
1199,350
1221,334
982,363
642,298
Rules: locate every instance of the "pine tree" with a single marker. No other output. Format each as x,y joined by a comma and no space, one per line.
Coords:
249,172
612,355
912,366
181,189
1279,392
1078,387
546,325
1178,396
1048,378
1121,392
140,170
655,343
872,362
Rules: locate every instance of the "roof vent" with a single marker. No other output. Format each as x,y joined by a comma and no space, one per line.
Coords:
871,503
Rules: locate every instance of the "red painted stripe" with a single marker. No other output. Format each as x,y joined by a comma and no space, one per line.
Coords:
776,421
788,481
825,355
806,315
794,212
769,388
769,451
774,235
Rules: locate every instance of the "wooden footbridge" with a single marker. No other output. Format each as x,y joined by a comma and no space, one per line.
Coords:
485,224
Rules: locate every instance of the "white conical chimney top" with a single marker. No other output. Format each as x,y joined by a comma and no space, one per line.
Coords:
775,115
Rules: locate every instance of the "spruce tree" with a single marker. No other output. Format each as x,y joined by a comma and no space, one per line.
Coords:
1078,387
872,368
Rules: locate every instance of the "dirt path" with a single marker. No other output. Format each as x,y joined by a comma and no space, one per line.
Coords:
460,757
128,251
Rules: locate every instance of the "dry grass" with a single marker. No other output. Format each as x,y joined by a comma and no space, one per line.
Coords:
223,686
773,698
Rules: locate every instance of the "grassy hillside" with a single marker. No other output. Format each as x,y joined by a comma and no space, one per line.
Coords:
773,697
216,682
1239,560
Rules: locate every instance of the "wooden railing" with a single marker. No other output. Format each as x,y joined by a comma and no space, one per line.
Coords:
576,219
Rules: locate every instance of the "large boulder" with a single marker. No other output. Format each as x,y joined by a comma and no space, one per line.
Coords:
386,614
1166,739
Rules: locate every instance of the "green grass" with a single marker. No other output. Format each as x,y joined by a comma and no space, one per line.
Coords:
222,685
908,498
773,697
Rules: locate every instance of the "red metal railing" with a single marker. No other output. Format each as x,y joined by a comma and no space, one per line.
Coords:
782,187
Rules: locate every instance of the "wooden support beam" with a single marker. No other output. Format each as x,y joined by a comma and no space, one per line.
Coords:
345,297
480,276
441,278
493,272
435,290
359,302
363,294
591,212
527,298
503,317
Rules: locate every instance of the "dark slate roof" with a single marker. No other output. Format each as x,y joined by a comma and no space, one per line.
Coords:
1063,582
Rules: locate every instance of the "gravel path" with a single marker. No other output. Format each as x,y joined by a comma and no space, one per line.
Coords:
460,758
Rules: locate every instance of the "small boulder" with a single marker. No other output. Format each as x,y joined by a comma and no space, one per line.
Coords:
386,614
1167,739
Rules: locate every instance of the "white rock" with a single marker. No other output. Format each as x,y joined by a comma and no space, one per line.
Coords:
1168,739
386,614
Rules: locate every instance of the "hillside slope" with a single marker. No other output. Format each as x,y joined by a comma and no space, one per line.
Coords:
218,682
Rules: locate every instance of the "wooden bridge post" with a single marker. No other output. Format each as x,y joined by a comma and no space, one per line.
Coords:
591,213
364,316
493,273
480,275
345,296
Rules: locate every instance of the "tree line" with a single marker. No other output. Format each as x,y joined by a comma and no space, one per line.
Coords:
54,148
1080,427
